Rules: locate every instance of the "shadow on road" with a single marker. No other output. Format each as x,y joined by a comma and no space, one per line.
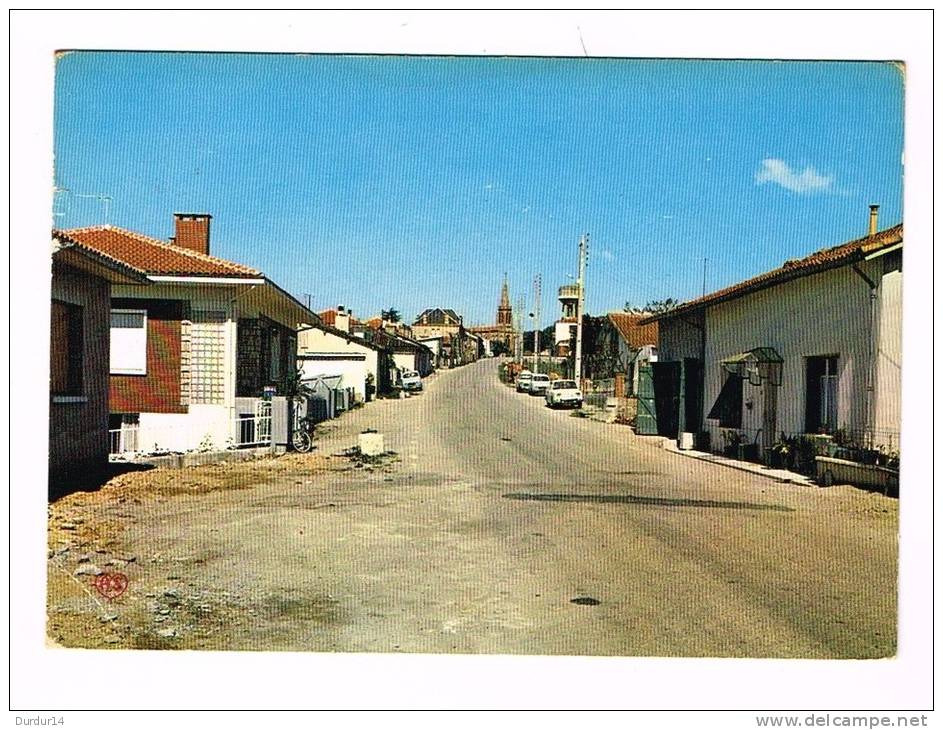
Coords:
649,501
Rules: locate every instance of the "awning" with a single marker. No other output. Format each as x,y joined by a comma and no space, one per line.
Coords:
756,365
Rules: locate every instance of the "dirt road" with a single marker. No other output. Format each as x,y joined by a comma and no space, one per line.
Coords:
499,526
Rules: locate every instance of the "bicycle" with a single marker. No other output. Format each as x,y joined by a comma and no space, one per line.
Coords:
302,438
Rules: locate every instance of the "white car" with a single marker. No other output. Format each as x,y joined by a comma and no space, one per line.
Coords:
523,381
564,393
411,380
539,384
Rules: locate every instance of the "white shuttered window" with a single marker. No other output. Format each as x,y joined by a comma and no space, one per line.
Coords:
128,342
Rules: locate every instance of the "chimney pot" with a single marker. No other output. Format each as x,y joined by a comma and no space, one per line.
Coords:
192,231
873,220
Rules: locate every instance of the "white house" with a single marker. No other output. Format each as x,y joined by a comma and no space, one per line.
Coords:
194,355
326,350
811,347
435,347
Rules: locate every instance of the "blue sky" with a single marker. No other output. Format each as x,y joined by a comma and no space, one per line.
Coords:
413,182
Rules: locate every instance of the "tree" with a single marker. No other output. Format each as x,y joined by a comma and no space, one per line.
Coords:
655,306
390,315
498,348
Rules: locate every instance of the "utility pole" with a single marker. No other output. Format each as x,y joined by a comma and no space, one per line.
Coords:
580,280
519,339
704,279
537,323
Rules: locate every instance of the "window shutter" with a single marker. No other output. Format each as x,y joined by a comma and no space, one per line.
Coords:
128,342
728,408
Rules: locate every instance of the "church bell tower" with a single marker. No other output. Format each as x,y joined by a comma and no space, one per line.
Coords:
504,306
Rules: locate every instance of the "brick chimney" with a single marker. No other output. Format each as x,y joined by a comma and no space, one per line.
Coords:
192,231
873,220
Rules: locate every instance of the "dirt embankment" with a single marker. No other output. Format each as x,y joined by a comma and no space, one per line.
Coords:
89,604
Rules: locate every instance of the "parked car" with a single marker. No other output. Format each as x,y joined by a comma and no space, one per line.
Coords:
411,380
523,381
539,384
564,393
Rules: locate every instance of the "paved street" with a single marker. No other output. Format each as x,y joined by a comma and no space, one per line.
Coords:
498,513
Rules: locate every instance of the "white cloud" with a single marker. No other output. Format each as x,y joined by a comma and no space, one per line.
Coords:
777,171
606,255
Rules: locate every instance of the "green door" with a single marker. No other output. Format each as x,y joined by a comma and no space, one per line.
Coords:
646,423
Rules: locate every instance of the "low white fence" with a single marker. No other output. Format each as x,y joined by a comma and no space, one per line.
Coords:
133,440
253,431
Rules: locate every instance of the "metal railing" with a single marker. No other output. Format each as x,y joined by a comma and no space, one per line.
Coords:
133,440
252,431
879,439
123,441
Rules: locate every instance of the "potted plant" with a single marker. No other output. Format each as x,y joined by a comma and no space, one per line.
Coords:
781,454
806,452
732,441
748,452
702,441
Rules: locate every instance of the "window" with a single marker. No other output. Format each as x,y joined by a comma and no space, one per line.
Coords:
65,349
128,342
275,357
728,408
821,395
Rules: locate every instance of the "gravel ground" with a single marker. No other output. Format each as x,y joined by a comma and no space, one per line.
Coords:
493,526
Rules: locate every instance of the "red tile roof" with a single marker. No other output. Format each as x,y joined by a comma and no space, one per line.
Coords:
154,256
328,317
635,335
822,260
65,247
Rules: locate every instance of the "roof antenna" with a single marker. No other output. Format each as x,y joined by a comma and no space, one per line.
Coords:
105,200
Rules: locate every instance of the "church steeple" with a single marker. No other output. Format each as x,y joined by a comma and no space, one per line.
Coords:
504,306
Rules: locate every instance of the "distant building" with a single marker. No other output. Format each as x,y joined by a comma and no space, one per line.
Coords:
564,331
365,366
447,324
618,345
340,318
502,331
405,353
435,346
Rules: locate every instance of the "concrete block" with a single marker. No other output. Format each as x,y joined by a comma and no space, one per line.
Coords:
371,444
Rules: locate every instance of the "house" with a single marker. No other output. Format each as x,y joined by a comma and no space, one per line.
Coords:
435,346
82,280
200,350
447,324
474,347
811,347
405,353
324,350
617,345
340,318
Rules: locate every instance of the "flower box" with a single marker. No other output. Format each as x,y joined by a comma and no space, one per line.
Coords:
829,471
